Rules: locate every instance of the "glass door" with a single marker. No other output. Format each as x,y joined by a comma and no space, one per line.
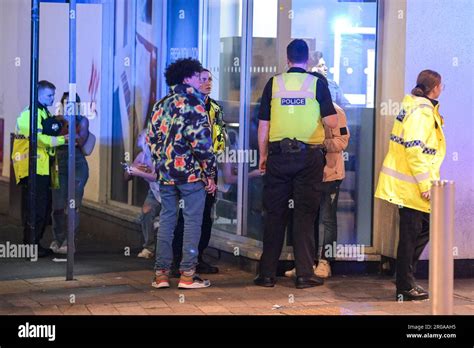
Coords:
222,39
341,35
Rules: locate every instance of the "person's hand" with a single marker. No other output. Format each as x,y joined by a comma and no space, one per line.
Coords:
144,168
426,195
254,173
211,186
66,138
132,170
262,165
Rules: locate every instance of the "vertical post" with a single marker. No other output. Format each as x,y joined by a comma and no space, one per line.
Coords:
245,96
441,247
71,112
33,136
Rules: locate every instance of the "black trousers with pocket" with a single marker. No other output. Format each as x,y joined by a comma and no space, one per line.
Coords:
291,182
414,235
43,207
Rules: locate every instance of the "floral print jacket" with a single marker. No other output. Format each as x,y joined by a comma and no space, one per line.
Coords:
179,136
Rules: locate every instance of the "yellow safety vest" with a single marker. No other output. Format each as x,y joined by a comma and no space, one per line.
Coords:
416,151
20,151
218,128
295,112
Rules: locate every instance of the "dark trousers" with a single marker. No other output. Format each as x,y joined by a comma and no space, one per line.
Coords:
414,235
205,231
328,214
292,176
43,208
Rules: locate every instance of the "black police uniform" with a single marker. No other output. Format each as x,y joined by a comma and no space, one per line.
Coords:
292,175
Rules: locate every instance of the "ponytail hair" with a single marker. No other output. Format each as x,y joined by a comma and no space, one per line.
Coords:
426,81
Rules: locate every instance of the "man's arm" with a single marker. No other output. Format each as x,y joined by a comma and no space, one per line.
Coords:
263,136
330,121
265,102
339,136
197,132
264,125
417,127
328,113
49,141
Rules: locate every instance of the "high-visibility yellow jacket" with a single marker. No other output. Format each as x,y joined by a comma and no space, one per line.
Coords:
20,149
295,111
216,120
416,151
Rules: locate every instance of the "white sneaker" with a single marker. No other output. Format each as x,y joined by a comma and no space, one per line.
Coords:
58,249
54,246
323,270
63,249
145,253
162,280
292,272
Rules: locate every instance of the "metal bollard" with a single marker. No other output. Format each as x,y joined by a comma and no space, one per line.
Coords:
441,247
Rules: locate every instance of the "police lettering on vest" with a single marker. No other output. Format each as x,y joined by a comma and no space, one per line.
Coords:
295,111
293,101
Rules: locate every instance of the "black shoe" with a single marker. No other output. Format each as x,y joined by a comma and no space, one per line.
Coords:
266,282
43,252
411,295
206,268
303,283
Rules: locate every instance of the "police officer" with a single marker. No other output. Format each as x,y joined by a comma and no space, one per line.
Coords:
294,107
46,145
416,151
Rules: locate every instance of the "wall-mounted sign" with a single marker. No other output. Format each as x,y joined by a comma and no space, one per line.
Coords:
183,30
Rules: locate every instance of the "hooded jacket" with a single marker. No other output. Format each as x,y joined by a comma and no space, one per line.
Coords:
180,139
416,151
336,141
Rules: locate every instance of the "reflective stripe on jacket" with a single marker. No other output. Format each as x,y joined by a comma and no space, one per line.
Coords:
20,151
295,112
416,152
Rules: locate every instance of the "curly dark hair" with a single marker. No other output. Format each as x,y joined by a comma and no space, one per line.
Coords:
176,72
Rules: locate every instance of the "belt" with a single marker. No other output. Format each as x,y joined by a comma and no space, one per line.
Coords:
275,147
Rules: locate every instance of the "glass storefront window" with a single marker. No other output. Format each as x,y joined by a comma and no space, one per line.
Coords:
345,33
222,56
135,90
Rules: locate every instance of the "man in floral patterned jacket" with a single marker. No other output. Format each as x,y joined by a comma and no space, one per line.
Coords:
179,135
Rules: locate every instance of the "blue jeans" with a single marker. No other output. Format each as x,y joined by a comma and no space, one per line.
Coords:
191,198
60,195
151,209
328,215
